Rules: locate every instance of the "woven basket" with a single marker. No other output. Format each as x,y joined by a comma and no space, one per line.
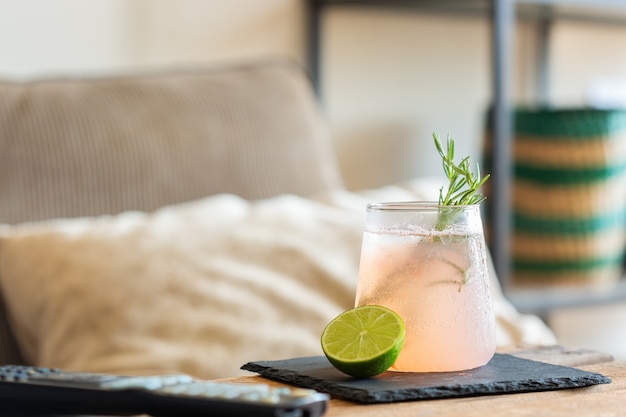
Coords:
569,197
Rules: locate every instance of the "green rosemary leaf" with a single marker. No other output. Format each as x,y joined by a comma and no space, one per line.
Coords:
463,183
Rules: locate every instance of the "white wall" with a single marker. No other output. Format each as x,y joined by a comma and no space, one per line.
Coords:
390,78
39,37
583,54
42,37
196,31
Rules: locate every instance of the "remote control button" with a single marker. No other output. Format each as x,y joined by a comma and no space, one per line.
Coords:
148,382
227,391
22,373
91,380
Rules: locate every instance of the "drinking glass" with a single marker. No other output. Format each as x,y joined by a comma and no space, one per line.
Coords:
428,263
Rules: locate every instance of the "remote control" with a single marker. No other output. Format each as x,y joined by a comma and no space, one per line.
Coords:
27,390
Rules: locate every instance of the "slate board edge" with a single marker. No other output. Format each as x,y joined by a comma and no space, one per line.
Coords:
430,393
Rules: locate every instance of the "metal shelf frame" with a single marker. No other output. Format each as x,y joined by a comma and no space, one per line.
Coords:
503,15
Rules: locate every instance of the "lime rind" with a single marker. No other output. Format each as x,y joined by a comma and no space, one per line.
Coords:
364,341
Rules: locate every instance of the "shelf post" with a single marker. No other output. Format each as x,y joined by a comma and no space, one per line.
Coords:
542,71
502,24
314,42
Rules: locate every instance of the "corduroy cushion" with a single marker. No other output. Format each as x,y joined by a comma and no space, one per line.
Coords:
92,146
76,147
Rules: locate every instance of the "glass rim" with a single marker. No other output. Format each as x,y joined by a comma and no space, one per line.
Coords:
413,205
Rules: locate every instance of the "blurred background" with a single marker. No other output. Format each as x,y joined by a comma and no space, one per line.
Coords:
389,78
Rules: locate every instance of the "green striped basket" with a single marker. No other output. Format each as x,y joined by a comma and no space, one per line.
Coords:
569,197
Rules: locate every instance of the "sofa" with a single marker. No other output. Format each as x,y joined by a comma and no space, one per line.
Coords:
188,220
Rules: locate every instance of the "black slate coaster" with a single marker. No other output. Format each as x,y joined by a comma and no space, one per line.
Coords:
502,375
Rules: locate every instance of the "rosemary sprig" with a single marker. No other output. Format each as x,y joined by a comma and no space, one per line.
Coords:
463,183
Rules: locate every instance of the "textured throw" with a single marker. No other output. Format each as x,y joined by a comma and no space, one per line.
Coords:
201,287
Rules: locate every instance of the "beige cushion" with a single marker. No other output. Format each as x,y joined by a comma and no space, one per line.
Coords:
77,147
200,288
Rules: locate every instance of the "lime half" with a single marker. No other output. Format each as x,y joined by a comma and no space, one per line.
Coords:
363,341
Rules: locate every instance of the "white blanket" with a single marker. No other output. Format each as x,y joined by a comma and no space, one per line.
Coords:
199,288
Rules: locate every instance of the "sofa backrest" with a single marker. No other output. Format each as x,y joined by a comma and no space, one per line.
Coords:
74,147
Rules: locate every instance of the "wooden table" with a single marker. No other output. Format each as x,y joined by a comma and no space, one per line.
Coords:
601,400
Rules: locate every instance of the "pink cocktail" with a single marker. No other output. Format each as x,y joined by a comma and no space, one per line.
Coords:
428,263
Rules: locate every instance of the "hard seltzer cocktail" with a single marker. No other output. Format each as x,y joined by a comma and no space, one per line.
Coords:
428,263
